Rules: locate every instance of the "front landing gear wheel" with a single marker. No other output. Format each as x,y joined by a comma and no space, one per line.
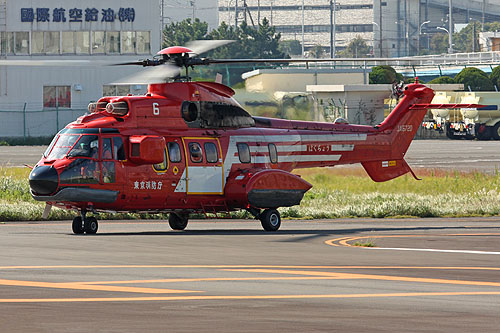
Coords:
270,220
178,222
91,225
78,225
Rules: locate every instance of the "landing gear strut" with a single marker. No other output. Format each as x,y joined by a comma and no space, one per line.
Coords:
85,224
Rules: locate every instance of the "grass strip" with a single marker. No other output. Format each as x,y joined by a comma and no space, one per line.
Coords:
337,193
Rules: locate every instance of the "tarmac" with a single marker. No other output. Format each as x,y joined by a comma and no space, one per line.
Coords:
439,275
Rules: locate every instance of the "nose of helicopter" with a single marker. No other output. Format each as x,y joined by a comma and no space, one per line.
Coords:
43,180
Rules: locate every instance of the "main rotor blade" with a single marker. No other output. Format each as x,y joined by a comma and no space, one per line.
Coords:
157,74
202,46
56,63
229,61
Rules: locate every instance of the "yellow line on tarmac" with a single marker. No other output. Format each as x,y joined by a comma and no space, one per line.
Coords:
372,277
248,266
344,241
78,286
243,297
211,279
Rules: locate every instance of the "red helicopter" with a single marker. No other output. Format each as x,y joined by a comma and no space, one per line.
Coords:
188,147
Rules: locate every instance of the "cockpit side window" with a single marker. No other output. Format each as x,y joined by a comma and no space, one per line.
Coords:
87,146
107,149
119,149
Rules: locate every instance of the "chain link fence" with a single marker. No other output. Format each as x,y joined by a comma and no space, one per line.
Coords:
43,123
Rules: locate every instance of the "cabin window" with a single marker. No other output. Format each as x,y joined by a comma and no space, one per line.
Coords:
243,152
211,152
196,153
174,152
273,153
163,165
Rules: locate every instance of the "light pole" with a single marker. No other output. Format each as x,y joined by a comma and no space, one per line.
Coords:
420,32
380,40
474,34
450,48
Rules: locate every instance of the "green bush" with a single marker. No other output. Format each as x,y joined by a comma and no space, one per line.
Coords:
442,80
495,76
384,74
474,78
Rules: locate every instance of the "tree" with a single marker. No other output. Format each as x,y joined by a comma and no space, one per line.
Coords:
442,80
317,51
464,39
475,79
495,76
439,43
290,47
179,33
384,74
357,48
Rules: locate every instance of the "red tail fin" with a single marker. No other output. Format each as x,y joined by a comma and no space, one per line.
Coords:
401,126
403,122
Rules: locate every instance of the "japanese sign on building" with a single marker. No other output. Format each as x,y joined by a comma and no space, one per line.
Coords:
77,15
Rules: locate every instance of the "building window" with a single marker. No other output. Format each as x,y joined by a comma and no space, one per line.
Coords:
57,96
111,90
37,42
7,43
22,42
112,42
128,41
143,42
82,42
97,42
68,42
51,44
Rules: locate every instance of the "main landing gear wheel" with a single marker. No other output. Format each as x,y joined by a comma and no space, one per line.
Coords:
178,222
78,225
91,225
270,219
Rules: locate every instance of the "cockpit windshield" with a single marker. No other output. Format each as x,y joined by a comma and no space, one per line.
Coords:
87,146
62,146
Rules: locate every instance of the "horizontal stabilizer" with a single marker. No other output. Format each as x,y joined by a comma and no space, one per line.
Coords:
447,106
381,171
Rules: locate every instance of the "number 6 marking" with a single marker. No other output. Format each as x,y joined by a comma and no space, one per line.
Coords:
156,109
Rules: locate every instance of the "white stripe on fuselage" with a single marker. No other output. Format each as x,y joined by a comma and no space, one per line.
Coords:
290,143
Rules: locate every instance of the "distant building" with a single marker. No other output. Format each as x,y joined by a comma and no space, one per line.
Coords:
405,29
39,101
178,10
